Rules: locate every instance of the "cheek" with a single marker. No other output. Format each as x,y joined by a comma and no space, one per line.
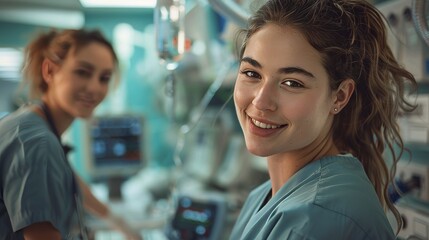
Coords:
241,97
104,91
297,108
65,90
304,109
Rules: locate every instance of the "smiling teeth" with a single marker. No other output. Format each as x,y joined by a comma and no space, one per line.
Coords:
264,125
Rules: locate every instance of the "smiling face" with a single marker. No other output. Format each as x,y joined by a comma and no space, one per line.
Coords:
81,82
282,95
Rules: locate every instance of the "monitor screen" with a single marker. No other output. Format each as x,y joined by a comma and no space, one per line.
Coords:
194,219
115,146
199,217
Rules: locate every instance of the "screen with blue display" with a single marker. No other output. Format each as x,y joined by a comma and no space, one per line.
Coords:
194,219
116,145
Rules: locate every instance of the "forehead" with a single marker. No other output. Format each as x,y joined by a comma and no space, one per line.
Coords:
94,53
282,46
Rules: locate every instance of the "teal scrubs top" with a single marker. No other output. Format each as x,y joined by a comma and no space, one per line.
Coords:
35,180
331,198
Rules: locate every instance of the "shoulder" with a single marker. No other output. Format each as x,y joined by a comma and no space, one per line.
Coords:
21,121
313,221
341,196
343,184
310,221
26,140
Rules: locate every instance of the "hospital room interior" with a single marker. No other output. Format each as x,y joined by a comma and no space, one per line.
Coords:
165,150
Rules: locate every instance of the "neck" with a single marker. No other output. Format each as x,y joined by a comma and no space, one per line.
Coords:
60,118
282,167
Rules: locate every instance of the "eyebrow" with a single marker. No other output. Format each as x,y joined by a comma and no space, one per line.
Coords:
85,64
91,67
285,70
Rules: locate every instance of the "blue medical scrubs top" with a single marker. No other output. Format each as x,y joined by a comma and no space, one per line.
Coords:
328,199
35,180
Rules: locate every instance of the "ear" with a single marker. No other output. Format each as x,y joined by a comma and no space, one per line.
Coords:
48,70
342,95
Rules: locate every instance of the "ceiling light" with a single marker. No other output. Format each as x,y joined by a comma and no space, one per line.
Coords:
118,3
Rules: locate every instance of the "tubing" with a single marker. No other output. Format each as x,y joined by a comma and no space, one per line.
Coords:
418,13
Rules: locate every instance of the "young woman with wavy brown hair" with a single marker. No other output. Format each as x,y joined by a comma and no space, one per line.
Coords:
318,94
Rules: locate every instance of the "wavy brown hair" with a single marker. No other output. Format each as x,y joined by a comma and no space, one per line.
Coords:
56,45
351,37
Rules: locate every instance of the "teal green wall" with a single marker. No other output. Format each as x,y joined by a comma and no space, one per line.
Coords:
16,35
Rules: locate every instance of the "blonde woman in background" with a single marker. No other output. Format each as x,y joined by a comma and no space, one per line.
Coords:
69,71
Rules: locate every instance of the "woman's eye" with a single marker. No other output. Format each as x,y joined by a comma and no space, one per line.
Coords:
83,73
105,79
293,84
250,74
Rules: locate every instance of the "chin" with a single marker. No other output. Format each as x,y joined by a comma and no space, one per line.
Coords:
85,115
257,150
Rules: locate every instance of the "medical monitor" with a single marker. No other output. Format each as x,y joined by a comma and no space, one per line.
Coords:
115,146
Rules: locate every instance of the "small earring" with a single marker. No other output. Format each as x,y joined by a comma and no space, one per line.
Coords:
335,109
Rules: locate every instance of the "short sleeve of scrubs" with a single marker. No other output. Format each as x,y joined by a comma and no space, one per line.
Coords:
37,182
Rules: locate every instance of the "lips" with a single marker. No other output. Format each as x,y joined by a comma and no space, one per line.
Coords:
264,129
88,103
264,125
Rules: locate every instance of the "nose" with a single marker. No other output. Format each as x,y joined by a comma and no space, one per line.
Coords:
95,85
265,98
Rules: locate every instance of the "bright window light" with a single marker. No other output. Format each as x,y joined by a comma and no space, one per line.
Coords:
10,64
118,3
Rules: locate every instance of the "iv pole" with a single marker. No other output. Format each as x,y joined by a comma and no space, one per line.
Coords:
170,43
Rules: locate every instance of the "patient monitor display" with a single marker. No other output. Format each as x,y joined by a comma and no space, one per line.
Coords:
198,218
115,146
